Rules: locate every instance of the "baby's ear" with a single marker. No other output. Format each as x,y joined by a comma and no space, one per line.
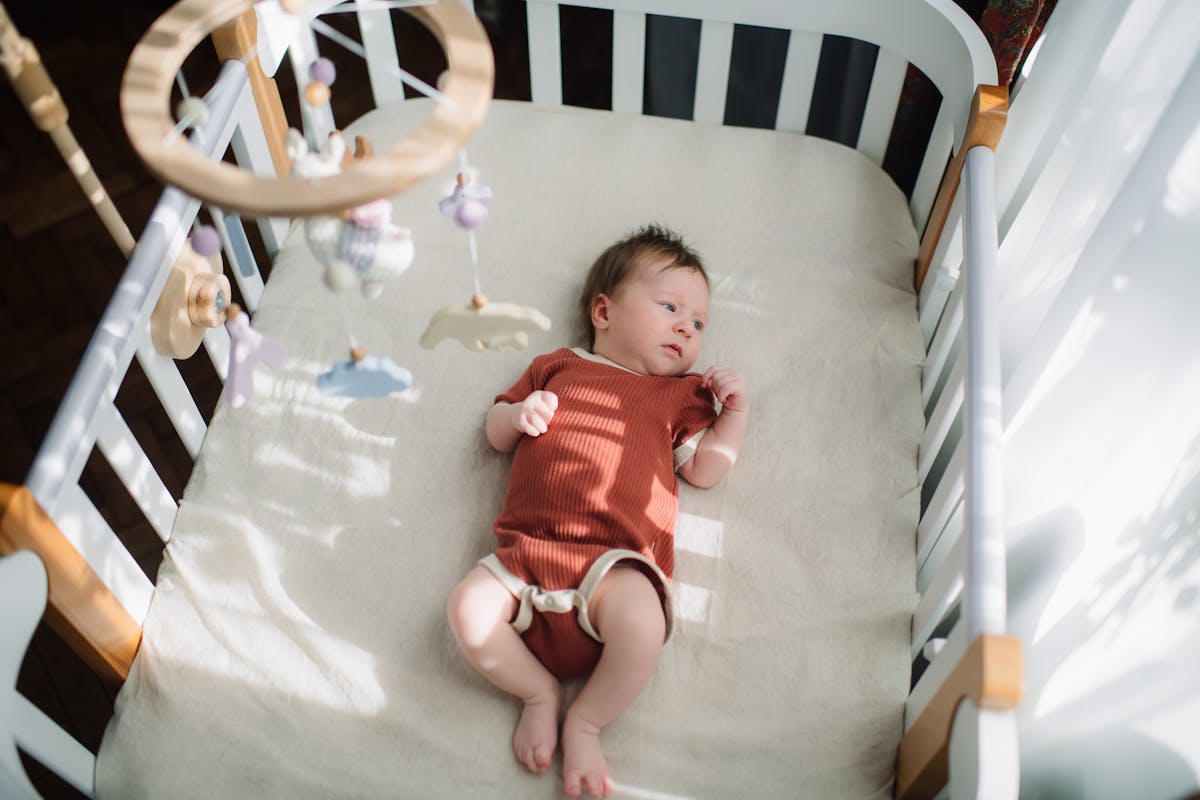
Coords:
600,311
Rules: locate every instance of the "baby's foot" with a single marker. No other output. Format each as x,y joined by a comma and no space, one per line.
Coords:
584,767
536,735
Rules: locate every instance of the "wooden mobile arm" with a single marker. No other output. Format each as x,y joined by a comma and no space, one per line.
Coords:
234,41
989,110
989,674
146,91
81,609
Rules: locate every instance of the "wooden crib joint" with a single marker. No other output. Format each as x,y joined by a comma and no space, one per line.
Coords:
989,110
990,675
234,41
81,608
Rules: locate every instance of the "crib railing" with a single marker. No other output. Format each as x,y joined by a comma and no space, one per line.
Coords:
957,730
959,723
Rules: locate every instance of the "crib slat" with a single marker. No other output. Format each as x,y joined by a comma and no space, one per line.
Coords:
50,745
940,597
545,53
882,99
629,61
799,77
252,152
935,674
383,63
90,534
129,461
941,505
318,120
943,342
173,392
928,569
712,71
940,422
216,344
239,256
937,154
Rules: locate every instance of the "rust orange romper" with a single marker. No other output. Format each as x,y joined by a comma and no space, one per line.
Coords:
602,478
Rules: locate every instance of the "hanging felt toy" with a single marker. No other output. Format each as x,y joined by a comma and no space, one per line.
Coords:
467,204
364,375
479,324
363,247
247,347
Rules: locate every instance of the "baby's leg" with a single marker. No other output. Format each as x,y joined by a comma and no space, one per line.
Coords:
628,615
480,609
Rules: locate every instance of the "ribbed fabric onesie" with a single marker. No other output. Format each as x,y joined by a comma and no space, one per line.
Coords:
601,478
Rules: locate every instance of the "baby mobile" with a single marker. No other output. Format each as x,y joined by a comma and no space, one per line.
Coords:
478,324
361,247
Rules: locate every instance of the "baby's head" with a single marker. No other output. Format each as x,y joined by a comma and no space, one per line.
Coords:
645,303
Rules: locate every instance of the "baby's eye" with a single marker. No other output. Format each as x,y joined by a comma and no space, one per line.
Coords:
697,324
669,307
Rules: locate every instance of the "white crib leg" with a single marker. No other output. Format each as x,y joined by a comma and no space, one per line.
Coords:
984,755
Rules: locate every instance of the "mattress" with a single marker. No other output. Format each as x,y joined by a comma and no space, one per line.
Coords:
296,644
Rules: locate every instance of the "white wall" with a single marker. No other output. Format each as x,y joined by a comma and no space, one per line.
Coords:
1100,270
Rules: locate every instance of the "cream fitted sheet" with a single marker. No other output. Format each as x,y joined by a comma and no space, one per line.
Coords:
296,643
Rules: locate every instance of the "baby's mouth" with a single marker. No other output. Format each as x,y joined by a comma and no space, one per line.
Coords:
674,348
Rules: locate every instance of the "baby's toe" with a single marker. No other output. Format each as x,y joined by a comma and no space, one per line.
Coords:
598,785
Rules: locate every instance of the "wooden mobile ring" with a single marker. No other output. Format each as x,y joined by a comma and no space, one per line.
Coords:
158,56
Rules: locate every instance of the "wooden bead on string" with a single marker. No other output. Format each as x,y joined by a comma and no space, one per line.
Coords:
192,109
316,93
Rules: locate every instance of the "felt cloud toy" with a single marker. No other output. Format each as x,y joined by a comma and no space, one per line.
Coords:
363,247
480,325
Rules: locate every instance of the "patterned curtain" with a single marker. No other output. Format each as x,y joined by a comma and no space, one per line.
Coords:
1012,27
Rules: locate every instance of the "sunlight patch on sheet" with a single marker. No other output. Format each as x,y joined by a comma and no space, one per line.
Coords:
621,790
693,603
315,668
699,535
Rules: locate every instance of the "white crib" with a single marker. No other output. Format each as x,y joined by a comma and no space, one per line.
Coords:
959,734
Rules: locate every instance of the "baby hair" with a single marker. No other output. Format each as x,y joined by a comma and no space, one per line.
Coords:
621,259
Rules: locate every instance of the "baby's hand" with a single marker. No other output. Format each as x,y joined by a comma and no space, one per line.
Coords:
729,388
533,414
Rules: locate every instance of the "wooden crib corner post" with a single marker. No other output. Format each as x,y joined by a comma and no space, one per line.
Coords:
81,609
236,41
989,111
989,674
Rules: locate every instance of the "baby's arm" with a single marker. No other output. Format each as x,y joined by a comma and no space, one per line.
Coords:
720,447
507,421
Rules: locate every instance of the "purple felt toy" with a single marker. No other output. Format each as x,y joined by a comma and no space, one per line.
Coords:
323,71
467,205
205,241
247,347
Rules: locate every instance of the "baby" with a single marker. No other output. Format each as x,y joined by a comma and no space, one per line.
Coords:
580,582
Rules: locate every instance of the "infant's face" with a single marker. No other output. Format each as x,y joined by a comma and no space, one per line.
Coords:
655,320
